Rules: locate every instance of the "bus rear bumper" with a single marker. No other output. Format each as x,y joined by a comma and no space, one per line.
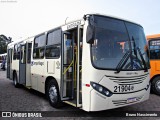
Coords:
100,102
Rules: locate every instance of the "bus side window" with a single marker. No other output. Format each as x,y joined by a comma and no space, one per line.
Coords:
53,44
29,53
11,55
15,52
39,45
23,55
18,52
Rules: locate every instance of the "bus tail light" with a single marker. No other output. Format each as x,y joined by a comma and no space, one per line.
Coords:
101,89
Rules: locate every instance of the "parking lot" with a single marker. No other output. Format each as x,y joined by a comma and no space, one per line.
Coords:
22,99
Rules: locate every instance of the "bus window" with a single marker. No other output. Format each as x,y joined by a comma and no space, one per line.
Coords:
23,55
39,44
15,52
18,52
53,44
154,49
29,53
68,49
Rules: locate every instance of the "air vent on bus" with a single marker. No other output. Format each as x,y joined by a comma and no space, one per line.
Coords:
128,80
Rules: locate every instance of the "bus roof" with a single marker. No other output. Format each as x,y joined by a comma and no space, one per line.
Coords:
154,36
111,16
97,14
19,41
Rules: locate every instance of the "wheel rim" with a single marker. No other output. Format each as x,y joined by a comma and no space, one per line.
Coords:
53,94
158,85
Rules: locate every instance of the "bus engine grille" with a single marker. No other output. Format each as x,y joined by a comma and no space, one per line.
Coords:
128,80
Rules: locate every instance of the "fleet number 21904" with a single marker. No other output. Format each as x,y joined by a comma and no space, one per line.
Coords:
123,88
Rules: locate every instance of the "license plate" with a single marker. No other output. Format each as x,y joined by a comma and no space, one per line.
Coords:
131,100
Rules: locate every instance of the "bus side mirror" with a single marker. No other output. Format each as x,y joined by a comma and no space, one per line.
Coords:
90,34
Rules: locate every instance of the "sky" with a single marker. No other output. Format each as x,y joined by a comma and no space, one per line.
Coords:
20,19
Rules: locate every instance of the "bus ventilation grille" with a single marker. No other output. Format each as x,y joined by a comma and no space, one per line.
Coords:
128,80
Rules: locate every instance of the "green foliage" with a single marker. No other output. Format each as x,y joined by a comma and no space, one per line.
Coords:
3,43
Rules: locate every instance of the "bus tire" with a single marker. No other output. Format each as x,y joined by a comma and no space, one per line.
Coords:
15,80
156,85
53,94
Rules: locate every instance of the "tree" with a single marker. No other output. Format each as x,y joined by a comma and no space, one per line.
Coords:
4,41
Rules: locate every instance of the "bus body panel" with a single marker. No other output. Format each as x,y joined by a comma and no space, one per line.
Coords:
52,69
155,69
37,74
94,101
100,102
28,75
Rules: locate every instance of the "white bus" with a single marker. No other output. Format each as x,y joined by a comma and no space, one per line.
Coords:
3,57
96,63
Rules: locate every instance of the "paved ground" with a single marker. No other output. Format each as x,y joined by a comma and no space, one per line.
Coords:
22,99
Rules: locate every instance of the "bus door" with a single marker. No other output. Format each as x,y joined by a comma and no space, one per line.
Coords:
71,67
9,61
28,64
22,64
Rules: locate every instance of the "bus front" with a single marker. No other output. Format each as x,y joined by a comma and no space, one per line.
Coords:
115,64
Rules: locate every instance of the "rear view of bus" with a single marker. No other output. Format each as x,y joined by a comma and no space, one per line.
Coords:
115,64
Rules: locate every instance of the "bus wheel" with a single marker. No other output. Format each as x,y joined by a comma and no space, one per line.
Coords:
156,85
15,80
53,94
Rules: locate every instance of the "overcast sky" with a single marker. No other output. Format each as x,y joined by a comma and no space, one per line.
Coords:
24,18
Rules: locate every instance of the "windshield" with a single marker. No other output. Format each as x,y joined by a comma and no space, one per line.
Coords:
118,44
